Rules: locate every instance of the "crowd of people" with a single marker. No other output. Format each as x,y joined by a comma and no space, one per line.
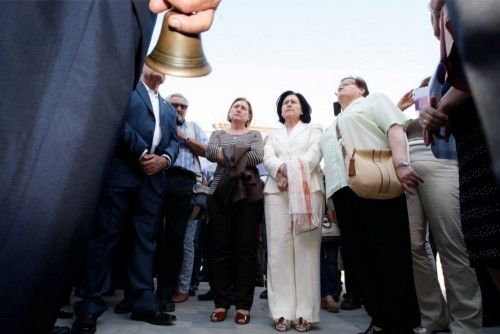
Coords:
151,173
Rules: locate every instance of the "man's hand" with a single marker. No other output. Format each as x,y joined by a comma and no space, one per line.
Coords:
408,178
152,163
197,16
182,136
431,117
406,101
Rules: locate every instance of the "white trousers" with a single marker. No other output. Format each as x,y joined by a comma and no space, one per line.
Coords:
293,263
435,206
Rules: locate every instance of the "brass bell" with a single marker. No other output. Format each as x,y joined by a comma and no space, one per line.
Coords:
178,54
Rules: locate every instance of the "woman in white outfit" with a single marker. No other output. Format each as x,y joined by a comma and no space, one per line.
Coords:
293,198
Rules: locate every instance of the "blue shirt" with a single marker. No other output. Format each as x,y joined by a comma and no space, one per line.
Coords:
185,159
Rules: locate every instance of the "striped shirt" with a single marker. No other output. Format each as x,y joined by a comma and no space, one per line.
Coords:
185,158
221,138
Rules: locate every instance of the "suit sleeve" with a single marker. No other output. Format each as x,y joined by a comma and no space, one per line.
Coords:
271,161
133,143
313,155
172,148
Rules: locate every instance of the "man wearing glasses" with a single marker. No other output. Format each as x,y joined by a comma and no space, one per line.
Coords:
179,191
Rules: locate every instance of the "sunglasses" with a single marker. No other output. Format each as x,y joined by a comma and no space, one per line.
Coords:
177,105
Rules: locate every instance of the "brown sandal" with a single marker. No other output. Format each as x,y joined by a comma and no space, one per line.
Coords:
218,316
241,318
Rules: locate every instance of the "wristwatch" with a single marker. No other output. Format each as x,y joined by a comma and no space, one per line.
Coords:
402,164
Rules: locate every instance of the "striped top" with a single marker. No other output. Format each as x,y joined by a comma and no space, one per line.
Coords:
222,139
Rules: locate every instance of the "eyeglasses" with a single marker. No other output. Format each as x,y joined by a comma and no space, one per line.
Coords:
179,105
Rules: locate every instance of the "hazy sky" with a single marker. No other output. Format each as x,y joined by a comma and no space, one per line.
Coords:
258,49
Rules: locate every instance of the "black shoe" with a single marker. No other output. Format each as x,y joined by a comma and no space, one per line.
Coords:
192,292
85,324
166,306
202,277
260,282
154,317
64,314
109,293
263,294
350,302
124,306
60,330
446,330
372,330
206,296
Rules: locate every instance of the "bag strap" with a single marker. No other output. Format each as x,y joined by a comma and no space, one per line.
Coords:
197,165
340,139
351,171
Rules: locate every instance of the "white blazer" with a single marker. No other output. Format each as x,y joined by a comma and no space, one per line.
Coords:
303,143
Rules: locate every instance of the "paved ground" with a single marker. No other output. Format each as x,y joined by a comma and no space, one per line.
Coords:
193,318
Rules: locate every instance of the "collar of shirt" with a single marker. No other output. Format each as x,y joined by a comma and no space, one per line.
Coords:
150,91
354,102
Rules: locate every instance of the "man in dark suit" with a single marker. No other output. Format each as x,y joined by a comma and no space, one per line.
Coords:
67,72
68,69
133,188
477,34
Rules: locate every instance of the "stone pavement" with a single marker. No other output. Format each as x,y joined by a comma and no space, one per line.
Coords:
193,318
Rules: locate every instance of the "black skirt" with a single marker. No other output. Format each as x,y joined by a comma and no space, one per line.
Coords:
479,193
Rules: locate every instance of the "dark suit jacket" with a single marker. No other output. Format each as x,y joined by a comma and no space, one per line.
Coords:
137,136
68,69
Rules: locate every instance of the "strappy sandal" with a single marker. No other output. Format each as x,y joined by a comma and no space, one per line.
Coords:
241,318
301,325
218,316
282,325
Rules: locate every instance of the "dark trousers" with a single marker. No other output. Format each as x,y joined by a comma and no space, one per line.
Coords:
206,251
233,231
331,285
376,235
143,205
350,280
177,208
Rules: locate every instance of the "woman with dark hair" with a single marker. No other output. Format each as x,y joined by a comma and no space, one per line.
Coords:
375,233
235,212
294,207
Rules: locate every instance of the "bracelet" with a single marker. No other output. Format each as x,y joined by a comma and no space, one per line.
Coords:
402,164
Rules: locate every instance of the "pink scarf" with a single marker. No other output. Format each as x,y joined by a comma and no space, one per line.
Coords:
299,198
